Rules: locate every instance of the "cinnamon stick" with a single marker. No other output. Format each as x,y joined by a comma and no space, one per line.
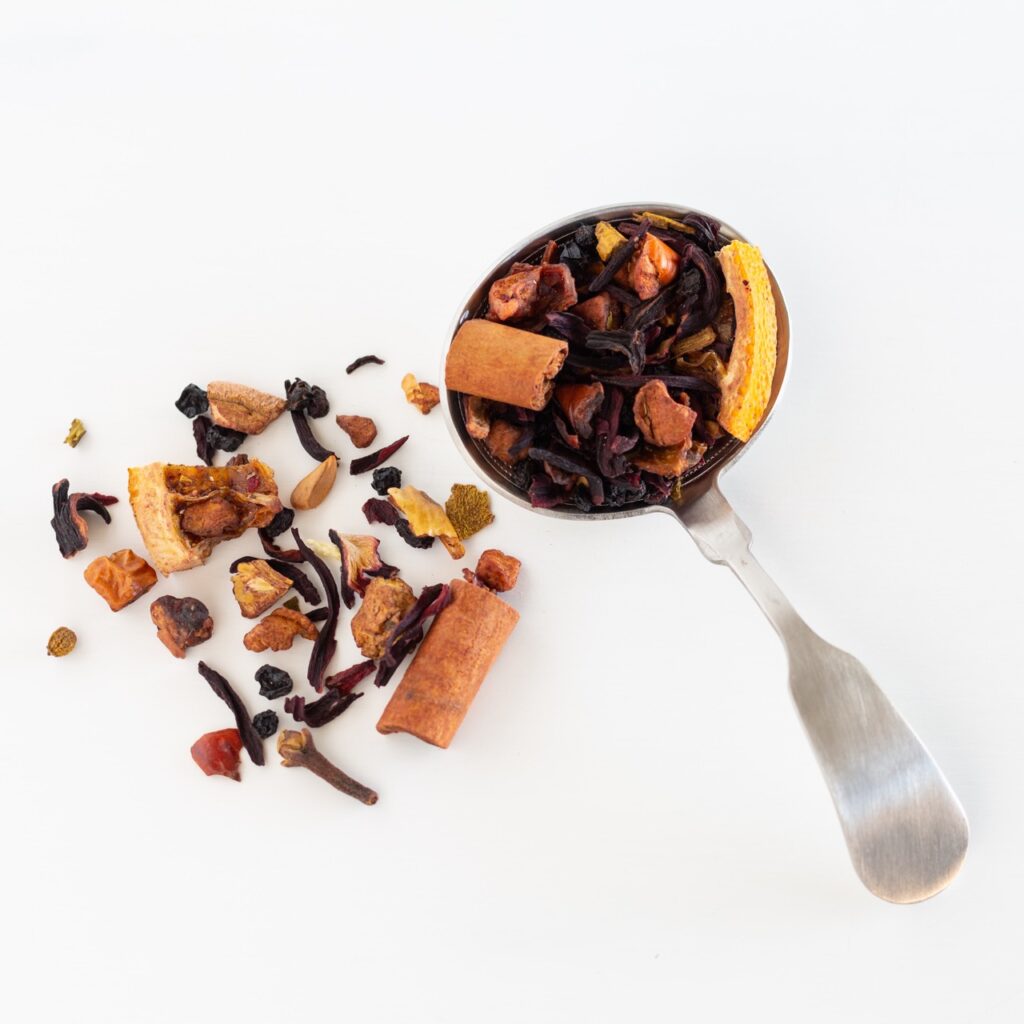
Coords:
504,364
432,699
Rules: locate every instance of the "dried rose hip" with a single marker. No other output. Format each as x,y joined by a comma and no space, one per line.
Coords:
217,753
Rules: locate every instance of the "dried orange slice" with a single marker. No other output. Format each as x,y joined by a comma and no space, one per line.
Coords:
747,385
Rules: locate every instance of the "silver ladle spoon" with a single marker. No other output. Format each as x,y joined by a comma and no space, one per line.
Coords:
903,825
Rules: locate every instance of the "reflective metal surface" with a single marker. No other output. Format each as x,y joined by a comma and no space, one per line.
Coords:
904,827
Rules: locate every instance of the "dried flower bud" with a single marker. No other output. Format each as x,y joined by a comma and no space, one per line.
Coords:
292,744
62,641
256,586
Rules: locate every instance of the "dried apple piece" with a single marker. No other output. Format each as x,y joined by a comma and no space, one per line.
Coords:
242,408
256,586
278,631
427,518
120,578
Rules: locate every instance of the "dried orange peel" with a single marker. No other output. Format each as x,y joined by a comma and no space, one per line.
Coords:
747,384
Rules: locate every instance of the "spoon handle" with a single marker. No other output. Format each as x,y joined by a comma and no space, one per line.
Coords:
904,827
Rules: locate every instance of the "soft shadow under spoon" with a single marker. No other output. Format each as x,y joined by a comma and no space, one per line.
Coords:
904,827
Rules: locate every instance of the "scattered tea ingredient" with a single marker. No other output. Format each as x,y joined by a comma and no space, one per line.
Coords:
362,431
326,644
434,695
281,523
278,630
477,414
120,578
217,753
321,711
297,750
360,562
274,682
220,686
405,531
497,570
192,401
300,581
62,641
162,494
362,361
181,622
312,489
242,408
349,677
377,458
75,433
423,396
257,586
265,723
385,603
307,400
210,439
69,526
385,478
377,510
427,518
660,418
469,509
409,632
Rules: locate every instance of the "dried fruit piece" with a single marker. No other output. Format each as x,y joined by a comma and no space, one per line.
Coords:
217,753
360,562
75,433
661,419
427,518
300,581
477,416
362,361
256,586
274,682
423,396
654,266
161,495
503,441
242,408
580,402
747,386
120,578
385,478
223,689
668,462
497,570
530,291
377,458
409,632
297,750
181,622
385,604
311,490
265,723
405,531
599,312
361,429
69,526
278,630
608,238
192,401
62,641
469,509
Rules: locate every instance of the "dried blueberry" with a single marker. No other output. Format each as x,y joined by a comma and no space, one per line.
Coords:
274,682
385,478
410,538
192,401
265,723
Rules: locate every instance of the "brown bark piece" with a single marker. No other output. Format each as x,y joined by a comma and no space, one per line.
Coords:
434,695
360,429
242,408
504,364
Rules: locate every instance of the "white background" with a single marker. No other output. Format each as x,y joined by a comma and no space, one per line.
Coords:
630,826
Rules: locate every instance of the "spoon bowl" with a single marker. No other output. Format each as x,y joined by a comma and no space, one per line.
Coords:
905,830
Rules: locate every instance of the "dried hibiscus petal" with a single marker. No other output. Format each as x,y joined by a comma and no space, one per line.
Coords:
377,510
362,361
217,753
70,527
325,645
320,712
409,632
349,677
220,686
307,400
377,458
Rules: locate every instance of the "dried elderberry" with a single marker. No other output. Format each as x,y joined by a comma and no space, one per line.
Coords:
265,723
192,401
386,477
274,682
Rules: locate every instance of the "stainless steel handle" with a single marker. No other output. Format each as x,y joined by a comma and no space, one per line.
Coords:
904,827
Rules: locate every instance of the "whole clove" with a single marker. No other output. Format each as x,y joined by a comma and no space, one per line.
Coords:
297,750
